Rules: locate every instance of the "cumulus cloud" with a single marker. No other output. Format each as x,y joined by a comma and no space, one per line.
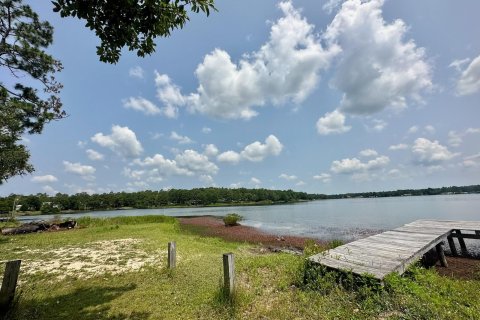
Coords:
133,174
180,139
207,179
287,177
210,150
469,80
230,156
332,123
286,68
254,152
49,190
377,125
258,151
323,177
400,146
206,130
331,5
122,141
368,153
45,179
430,153
459,63
412,129
163,167
454,138
430,129
471,161
85,171
141,104
377,67
255,181
169,94
136,72
196,162
94,155
354,165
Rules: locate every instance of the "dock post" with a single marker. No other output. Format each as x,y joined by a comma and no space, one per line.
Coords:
172,255
229,273
441,255
463,246
451,244
9,284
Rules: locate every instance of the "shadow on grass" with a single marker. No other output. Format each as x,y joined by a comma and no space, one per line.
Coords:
89,303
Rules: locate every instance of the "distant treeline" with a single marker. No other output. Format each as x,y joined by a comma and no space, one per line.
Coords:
194,197
407,192
150,199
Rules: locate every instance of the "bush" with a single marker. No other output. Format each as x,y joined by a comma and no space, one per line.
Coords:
232,219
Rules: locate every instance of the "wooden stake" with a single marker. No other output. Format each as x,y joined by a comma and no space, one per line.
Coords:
441,255
172,255
451,244
229,273
9,284
463,246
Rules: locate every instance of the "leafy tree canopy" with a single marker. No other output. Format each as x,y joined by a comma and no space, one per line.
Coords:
130,23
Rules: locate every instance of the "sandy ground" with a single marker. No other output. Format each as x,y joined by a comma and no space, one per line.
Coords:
91,259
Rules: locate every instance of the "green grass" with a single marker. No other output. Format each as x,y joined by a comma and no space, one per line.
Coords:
269,286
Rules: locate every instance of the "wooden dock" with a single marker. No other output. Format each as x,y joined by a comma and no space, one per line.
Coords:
395,250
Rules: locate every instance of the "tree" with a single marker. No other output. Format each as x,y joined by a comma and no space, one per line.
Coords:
131,24
24,39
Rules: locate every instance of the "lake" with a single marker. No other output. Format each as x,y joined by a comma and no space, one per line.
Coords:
345,219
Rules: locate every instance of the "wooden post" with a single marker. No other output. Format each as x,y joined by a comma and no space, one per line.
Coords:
441,255
172,255
463,246
229,273
9,284
451,244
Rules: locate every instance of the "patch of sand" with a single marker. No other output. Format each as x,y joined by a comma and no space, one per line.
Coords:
92,259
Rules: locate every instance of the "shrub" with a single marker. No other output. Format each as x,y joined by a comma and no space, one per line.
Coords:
232,219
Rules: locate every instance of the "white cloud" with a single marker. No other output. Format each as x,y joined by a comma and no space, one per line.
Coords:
163,167
430,129
323,177
136,72
94,155
368,153
454,138
230,156
141,104
196,162
378,68
82,144
300,183
49,190
286,68
133,174
400,146
122,141
287,177
210,150
255,181
207,179
412,129
471,161
332,123
469,81
180,139
459,63
169,94
206,130
85,171
331,5
473,130
45,179
377,125
429,153
354,165
258,151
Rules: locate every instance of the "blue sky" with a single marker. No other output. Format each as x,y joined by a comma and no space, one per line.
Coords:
316,96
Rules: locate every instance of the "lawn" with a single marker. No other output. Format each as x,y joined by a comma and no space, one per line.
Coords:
116,269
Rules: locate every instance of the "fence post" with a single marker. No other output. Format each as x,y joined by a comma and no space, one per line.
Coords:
229,273
463,247
441,255
172,255
9,284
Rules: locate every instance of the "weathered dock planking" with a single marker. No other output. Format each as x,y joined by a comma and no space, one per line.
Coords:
395,250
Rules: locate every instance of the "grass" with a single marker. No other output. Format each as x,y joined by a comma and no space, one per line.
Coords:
269,286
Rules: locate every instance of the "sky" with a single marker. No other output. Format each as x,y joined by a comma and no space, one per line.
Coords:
317,96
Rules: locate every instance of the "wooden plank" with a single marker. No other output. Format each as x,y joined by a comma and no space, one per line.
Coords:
229,273
394,244
451,244
466,236
9,284
383,254
463,246
350,267
441,255
366,260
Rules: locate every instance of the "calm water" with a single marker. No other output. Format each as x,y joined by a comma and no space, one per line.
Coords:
329,219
